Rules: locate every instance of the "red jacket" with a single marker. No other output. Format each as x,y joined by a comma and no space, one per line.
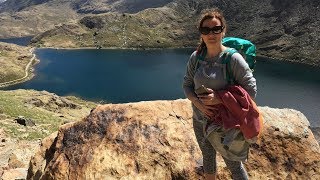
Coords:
238,110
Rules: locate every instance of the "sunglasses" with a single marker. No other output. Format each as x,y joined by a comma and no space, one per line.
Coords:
207,30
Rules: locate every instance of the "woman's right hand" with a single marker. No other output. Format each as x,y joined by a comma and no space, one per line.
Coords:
208,110
210,98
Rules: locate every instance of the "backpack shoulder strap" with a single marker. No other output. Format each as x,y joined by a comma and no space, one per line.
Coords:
227,55
200,57
226,60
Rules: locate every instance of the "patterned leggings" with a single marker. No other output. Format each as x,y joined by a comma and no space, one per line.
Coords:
237,169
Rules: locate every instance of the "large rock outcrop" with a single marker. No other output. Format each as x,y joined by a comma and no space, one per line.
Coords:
155,140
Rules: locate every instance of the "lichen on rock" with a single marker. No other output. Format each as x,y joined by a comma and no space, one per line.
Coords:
155,140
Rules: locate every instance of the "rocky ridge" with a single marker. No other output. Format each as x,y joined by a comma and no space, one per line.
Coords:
47,111
155,140
28,18
27,116
280,30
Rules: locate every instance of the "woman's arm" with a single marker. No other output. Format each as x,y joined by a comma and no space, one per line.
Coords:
243,75
188,87
188,82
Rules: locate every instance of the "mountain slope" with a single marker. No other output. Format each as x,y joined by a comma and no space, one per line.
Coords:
30,17
86,6
281,29
18,5
121,6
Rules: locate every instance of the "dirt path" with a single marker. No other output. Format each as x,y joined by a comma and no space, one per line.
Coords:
26,70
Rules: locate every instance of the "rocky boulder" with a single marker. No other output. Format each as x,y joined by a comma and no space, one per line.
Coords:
155,140
15,156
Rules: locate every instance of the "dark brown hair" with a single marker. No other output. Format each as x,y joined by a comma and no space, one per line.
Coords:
210,14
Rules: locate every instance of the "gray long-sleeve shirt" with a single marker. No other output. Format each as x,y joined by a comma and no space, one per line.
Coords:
212,74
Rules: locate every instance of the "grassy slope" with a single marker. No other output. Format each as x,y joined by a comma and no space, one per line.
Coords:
13,60
146,29
35,19
46,110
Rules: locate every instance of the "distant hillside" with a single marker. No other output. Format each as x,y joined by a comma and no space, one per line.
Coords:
282,29
121,6
18,5
85,6
30,17
13,62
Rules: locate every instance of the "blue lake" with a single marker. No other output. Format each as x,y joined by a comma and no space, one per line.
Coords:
120,76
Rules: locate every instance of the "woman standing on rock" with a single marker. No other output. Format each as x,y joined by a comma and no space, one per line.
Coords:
205,69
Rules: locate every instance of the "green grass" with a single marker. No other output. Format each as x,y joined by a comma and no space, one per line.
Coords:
79,101
10,76
13,106
29,133
14,59
48,120
3,53
136,34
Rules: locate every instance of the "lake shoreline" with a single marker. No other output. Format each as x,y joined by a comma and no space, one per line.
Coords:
29,70
116,48
172,48
36,61
287,61
63,71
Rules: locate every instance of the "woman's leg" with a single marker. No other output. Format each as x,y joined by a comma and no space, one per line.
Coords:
237,169
208,153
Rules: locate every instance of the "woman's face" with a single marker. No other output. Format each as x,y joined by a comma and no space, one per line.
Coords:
215,35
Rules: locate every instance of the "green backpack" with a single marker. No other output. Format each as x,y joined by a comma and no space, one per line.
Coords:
246,48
